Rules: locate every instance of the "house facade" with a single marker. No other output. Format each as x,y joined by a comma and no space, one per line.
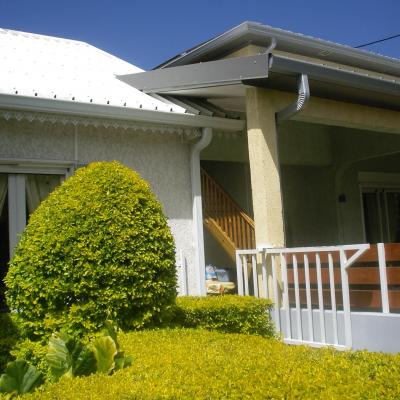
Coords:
61,107
304,205
313,152
275,138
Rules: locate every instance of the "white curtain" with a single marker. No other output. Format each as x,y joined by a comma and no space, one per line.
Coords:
3,191
38,187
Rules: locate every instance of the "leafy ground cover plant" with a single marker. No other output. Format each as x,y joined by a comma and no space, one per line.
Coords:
34,352
19,378
98,247
66,357
227,313
199,364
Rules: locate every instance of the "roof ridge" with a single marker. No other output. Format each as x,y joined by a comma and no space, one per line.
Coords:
42,36
254,24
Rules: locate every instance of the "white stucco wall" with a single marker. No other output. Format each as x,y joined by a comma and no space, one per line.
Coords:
161,158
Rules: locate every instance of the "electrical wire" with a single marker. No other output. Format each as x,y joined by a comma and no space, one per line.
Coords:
377,41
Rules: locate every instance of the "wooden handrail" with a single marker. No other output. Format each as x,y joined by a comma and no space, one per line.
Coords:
226,213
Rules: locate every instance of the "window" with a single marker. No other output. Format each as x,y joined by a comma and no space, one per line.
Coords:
21,191
381,211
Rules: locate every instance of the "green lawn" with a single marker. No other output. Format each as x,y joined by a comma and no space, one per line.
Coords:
197,364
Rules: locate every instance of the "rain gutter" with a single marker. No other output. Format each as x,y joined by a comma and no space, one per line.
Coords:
35,104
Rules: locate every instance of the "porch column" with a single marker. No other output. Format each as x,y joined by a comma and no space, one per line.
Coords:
264,168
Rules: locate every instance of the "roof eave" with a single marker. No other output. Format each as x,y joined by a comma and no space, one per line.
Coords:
35,104
257,33
255,71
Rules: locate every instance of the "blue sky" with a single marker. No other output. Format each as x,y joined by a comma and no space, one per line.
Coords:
146,33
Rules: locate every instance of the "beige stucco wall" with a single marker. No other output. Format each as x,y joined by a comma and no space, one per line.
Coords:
318,136
360,151
161,158
227,147
309,205
318,163
313,214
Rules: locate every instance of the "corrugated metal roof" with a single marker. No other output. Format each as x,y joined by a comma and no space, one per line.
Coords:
55,68
256,33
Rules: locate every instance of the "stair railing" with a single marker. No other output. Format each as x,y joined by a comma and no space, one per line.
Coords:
226,213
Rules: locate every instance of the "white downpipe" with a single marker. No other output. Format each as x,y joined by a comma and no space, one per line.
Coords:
196,148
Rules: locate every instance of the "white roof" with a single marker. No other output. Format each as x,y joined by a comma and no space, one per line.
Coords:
62,69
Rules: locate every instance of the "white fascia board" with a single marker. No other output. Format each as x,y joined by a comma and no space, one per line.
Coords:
36,104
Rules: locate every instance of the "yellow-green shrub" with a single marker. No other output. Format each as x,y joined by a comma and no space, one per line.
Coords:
228,313
97,248
34,352
197,364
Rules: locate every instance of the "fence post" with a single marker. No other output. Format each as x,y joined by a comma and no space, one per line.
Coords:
320,298
346,299
308,297
184,275
297,298
275,290
264,275
383,278
255,275
286,304
245,267
239,273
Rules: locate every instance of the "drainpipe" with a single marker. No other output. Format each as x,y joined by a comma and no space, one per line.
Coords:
271,46
206,136
300,103
291,110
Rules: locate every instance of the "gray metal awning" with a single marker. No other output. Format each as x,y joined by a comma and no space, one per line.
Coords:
229,77
202,75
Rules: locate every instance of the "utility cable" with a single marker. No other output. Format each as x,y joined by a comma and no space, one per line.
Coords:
377,41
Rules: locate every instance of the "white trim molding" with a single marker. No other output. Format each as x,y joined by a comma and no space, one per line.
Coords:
97,122
89,110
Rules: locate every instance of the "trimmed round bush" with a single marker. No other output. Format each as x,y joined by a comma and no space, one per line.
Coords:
97,248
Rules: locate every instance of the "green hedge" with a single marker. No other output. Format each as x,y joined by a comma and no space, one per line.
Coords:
97,248
197,364
32,352
228,313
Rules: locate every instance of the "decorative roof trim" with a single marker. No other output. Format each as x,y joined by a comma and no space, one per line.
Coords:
96,122
86,110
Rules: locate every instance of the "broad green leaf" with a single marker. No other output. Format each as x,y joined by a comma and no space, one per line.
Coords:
105,350
122,361
19,377
84,361
67,357
58,357
111,330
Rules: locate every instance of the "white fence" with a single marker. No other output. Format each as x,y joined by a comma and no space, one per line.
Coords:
312,307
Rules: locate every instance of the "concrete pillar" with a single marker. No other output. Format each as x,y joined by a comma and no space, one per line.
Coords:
264,168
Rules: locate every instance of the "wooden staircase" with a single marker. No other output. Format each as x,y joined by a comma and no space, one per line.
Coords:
224,218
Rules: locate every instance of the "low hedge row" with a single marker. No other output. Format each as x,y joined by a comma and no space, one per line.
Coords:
229,314
197,364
